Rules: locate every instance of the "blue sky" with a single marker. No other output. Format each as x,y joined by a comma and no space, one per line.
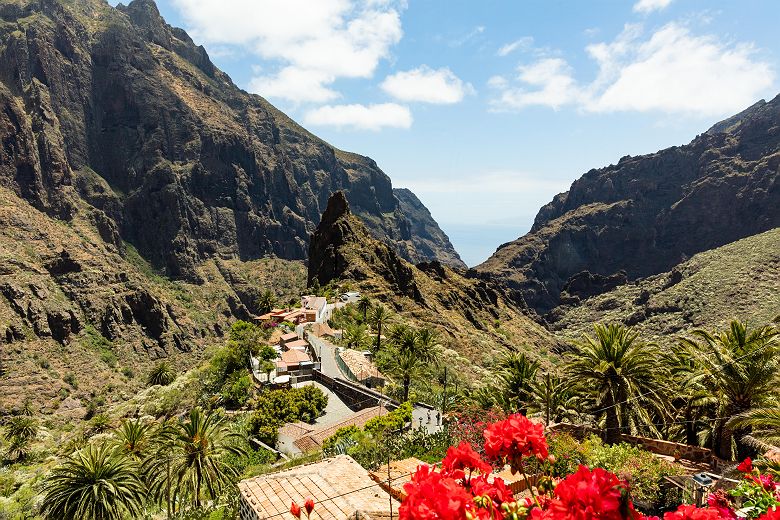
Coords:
487,109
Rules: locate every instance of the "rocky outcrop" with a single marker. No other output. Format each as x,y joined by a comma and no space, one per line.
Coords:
116,107
649,213
471,313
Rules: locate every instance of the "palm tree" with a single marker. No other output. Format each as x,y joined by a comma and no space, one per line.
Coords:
355,335
764,424
553,397
517,373
364,305
162,374
380,315
741,369
20,431
132,438
196,450
413,351
96,483
624,376
266,301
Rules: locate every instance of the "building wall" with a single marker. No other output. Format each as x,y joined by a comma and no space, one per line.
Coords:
245,511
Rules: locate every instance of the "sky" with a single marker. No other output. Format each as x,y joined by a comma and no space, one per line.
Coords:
487,109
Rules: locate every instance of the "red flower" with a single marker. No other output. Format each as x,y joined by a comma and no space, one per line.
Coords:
309,506
463,458
496,490
295,509
746,466
587,495
719,501
689,512
515,438
431,496
771,514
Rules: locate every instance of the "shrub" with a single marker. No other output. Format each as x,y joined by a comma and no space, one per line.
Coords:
235,391
274,408
392,421
70,378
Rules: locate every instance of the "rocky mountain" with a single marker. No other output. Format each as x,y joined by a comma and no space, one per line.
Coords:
429,236
738,280
116,108
477,319
647,214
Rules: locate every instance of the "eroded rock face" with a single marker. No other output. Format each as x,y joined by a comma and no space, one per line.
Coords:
649,213
173,156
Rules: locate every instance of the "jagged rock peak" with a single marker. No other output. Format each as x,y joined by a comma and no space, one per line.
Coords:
337,207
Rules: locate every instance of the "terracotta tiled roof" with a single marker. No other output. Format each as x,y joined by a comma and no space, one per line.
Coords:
293,357
339,487
292,336
400,473
298,343
359,364
314,440
296,430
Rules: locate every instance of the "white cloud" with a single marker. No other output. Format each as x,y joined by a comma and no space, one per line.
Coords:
648,6
427,85
313,43
523,43
672,71
361,117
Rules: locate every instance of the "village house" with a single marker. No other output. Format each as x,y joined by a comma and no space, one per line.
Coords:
340,487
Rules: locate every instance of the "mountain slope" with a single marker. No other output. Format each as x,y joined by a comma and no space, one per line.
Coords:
116,107
738,280
474,317
649,213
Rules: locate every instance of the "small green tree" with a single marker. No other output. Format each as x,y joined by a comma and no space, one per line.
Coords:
380,315
364,306
266,301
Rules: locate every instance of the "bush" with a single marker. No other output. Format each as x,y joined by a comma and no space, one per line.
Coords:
70,378
274,408
643,470
235,391
392,421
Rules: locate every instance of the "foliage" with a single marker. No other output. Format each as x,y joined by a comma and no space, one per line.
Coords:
273,408
622,375
162,374
132,438
392,421
194,453
740,368
756,492
94,483
235,390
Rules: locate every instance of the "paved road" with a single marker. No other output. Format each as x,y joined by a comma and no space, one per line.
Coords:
327,354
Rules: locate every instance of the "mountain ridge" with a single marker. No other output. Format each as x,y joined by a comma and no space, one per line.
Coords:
646,214
116,107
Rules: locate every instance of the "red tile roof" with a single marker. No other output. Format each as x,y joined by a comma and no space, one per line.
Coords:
339,486
313,441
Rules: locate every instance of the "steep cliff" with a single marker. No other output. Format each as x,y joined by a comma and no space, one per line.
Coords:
114,106
475,316
649,213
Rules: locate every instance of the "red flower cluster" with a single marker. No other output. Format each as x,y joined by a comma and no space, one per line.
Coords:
463,458
514,438
690,512
433,496
587,495
746,466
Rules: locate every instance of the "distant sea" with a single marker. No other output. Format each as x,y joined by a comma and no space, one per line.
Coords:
475,243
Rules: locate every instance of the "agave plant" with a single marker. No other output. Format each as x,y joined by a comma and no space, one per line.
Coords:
162,374
96,483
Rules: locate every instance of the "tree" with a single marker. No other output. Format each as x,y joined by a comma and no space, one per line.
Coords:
364,306
355,335
162,374
622,374
132,438
741,369
413,350
96,483
20,431
195,451
553,397
380,315
517,373
764,424
266,301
